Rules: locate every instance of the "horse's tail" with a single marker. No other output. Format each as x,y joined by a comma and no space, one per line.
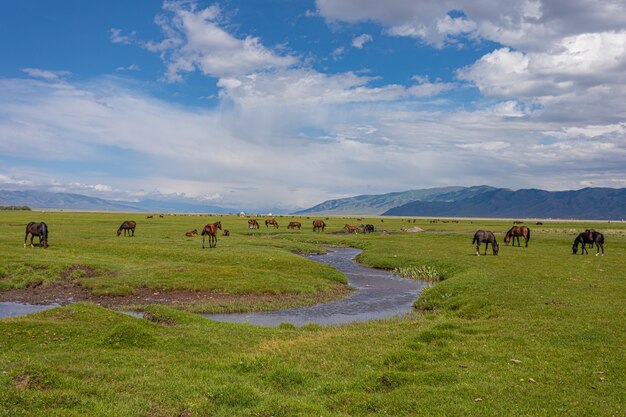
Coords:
527,233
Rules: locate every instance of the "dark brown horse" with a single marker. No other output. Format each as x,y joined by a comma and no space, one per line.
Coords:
587,237
193,233
211,231
226,232
127,226
516,232
294,225
318,225
273,222
487,237
37,229
253,224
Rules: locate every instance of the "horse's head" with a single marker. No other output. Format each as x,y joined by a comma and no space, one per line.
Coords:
218,225
496,248
507,238
575,248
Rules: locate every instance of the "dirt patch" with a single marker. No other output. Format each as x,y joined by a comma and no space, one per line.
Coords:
69,291
79,270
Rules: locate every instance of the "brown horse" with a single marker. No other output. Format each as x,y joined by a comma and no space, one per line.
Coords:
37,229
193,233
127,226
294,225
487,237
211,230
273,222
253,224
318,225
226,232
516,232
351,229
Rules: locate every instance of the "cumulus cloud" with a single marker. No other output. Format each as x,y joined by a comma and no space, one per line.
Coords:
195,40
526,24
359,41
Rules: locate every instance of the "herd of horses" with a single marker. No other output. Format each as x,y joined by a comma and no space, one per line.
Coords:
589,237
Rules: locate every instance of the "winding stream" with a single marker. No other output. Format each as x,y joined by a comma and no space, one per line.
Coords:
377,294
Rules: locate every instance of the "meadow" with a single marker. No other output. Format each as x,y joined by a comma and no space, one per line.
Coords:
534,331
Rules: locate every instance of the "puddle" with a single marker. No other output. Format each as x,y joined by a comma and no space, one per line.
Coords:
377,294
10,309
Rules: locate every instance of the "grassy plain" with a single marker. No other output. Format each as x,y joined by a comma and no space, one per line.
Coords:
534,331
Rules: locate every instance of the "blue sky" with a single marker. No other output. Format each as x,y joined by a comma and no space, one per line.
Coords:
287,103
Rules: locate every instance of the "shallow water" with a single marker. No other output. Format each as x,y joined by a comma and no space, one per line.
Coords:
10,309
377,294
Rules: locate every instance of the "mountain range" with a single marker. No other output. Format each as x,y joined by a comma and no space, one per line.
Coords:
484,201
376,204
69,201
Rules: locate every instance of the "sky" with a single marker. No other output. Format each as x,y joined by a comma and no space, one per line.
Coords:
287,103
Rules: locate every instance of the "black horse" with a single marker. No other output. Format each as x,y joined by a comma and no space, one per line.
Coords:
37,229
487,237
589,237
127,226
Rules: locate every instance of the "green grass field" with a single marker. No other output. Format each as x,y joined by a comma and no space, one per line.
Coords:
532,332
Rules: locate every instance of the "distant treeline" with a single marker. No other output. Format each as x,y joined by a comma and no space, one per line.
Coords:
15,208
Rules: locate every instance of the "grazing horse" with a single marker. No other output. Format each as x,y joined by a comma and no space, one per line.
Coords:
589,236
127,226
318,225
516,232
273,222
487,237
37,229
368,228
351,229
294,225
149,217
211,230
253,224
193,233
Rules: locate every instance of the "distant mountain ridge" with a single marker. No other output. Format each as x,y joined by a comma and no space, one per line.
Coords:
70,201
376,204
587,203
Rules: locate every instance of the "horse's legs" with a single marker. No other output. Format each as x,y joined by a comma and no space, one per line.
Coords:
203,241
32,236
133,229
486,246
25,237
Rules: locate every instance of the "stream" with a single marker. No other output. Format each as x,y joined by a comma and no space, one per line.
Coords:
377,294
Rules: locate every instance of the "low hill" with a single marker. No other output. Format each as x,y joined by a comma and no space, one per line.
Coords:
69,201
587,203
376,204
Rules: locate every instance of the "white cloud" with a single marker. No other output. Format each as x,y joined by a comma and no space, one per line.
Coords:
131,67
359,41
360,142
195,41
526,24
45,74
